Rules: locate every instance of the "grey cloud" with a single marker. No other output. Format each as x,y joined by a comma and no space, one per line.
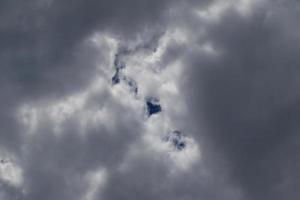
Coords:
55,165
43,50
249,98
9,192
243,106
39,41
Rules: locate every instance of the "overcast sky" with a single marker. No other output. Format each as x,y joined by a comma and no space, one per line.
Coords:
149,99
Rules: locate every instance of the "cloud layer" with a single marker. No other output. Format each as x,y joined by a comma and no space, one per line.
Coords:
224,76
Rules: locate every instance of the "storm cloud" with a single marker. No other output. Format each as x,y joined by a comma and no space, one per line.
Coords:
140,99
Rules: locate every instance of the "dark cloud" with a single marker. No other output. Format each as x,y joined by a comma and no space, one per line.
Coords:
149,177
249,98
43,49
56,166
9,192
239,83
41,39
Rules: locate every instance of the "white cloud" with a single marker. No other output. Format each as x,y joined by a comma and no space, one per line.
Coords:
96,181
216,10
10,171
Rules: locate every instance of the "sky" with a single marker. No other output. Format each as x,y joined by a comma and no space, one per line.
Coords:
149,99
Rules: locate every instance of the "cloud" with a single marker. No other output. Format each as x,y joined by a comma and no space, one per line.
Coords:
224,73
249,97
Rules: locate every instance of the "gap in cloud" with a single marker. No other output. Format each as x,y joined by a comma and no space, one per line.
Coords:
153,106
119,65
156,86
132,84
177,139
116,78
